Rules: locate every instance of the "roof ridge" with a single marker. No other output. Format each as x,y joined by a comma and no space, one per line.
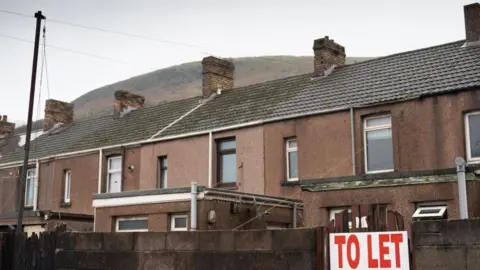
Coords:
401,53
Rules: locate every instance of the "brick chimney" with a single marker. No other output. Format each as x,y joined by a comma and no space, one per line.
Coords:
57,112
217,74
328,54
6,128
126,102
472,22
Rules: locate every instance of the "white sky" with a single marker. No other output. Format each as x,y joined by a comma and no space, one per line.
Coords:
224,28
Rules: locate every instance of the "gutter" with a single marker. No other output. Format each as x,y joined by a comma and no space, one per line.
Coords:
184,135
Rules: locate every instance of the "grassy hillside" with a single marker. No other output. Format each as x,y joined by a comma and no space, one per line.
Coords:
185,81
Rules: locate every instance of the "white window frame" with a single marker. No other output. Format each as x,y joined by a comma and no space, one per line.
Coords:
68,186
367,129
110,171
337,210
440,206
172,223
470,159
30,180
288,150
117,224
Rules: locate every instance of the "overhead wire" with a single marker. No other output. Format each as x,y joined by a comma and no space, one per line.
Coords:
203,49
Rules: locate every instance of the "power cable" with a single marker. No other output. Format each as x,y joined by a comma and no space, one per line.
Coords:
137,36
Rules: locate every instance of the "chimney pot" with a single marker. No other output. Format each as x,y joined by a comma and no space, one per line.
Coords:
217,74
327,55
472,22
57,112
126,102
6,128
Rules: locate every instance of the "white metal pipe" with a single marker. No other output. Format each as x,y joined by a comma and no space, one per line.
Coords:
35,185
214,192
462,188
100,170
184,135
210,159
352,130
193,207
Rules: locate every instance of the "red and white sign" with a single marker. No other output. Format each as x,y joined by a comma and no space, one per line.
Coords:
369,250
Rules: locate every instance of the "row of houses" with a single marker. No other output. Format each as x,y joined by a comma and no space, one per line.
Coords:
284,153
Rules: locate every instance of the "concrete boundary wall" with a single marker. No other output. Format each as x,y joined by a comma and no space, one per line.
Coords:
262,249
453,244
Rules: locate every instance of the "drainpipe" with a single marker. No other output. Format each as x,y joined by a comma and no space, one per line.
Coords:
210,157
352,130
35,185
294,221
100,164
462,187
193,208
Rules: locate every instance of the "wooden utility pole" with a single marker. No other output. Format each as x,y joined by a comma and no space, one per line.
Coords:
21,198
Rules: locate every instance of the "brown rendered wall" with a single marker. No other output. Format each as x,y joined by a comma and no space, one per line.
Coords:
188,161
83,184
8,189
427,134
158,215
400,198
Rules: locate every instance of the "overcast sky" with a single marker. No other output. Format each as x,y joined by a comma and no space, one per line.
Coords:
220,27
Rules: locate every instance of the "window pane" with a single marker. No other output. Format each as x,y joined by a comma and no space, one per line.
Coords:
292,143
115,182
163,178
228,145
31,173
379,150
180,222
29,187
474,128
292,165
134,224
229,168
387,120
115,163
163,162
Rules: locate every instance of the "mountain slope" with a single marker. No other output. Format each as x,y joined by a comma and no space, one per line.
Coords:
185,81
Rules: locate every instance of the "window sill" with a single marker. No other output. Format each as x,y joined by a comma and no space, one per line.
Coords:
289,183
473,161
65,204
230,186
380,171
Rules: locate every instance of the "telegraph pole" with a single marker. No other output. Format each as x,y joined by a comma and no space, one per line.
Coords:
21,198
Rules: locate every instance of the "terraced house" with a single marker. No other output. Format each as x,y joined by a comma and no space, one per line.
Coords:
292,152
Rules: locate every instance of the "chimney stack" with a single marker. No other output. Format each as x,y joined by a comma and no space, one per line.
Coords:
126,102
6,128
57,112
328,54
217,74
472,23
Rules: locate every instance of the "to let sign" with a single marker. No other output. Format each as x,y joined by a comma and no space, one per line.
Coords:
369,250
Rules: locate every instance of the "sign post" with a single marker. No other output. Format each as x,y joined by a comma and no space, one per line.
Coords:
369,250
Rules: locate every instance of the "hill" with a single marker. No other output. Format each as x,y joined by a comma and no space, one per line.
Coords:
185,80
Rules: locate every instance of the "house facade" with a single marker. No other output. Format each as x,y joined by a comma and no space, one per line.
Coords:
384,131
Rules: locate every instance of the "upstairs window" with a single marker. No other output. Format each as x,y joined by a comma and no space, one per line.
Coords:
30,187
291,155
162,172
67,183
472,132
227,161
378,144
114,174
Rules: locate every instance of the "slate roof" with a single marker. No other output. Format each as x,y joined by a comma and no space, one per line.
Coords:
104,131
408,75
